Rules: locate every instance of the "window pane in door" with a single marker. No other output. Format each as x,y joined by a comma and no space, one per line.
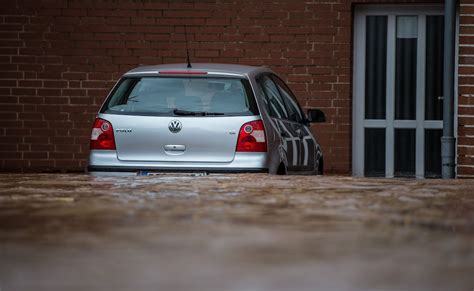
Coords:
374,155
405,71
375,67
405,143
434,67
276,105
433,153
294,112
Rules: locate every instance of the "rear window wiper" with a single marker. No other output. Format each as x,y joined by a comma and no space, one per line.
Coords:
195,113
132,97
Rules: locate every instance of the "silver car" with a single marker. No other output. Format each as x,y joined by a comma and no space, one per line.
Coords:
208,118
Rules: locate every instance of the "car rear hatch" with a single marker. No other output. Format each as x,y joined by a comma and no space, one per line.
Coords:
201,139
179,118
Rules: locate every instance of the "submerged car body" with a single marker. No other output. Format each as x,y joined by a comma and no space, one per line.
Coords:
208,118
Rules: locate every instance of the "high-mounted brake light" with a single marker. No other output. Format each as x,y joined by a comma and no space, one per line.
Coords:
102,136
252,137
182,73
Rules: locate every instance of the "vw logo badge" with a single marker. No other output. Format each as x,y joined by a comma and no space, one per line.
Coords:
175,126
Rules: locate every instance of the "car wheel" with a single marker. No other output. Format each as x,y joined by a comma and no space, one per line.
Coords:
281,169
318,166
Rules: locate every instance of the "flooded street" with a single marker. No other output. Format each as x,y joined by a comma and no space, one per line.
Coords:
235,232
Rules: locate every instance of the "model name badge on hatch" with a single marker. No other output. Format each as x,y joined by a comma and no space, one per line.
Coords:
124,130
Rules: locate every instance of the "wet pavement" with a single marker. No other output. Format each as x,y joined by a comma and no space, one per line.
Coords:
235,232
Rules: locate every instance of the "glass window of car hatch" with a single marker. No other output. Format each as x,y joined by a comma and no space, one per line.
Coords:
168,96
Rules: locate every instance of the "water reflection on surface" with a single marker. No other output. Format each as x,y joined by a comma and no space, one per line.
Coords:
235,232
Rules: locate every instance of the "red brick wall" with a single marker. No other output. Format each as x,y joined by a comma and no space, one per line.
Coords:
59,58
466,91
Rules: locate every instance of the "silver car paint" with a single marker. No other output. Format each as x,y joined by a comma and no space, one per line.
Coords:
210,144
201,139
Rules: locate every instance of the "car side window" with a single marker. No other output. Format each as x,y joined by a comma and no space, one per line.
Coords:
294,111
273,99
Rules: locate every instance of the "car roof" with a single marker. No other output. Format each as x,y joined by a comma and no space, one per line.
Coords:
196,67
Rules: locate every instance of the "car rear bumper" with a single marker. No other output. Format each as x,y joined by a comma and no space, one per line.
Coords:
106,162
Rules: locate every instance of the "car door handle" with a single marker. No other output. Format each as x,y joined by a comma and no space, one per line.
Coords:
284,134
299,132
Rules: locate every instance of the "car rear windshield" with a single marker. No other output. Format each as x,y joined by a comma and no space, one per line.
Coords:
170,96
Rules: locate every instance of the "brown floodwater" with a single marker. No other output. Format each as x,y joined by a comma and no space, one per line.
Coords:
234,232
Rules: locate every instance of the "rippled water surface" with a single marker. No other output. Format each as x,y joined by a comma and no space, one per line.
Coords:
235,232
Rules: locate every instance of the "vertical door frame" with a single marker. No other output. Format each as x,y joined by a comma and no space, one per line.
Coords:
359,123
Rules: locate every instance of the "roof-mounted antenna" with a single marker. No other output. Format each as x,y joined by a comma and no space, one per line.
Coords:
187,50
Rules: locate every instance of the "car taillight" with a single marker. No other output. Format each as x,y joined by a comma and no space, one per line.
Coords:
252,137
102,137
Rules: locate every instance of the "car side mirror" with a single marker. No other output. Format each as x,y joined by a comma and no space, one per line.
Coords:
316,115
